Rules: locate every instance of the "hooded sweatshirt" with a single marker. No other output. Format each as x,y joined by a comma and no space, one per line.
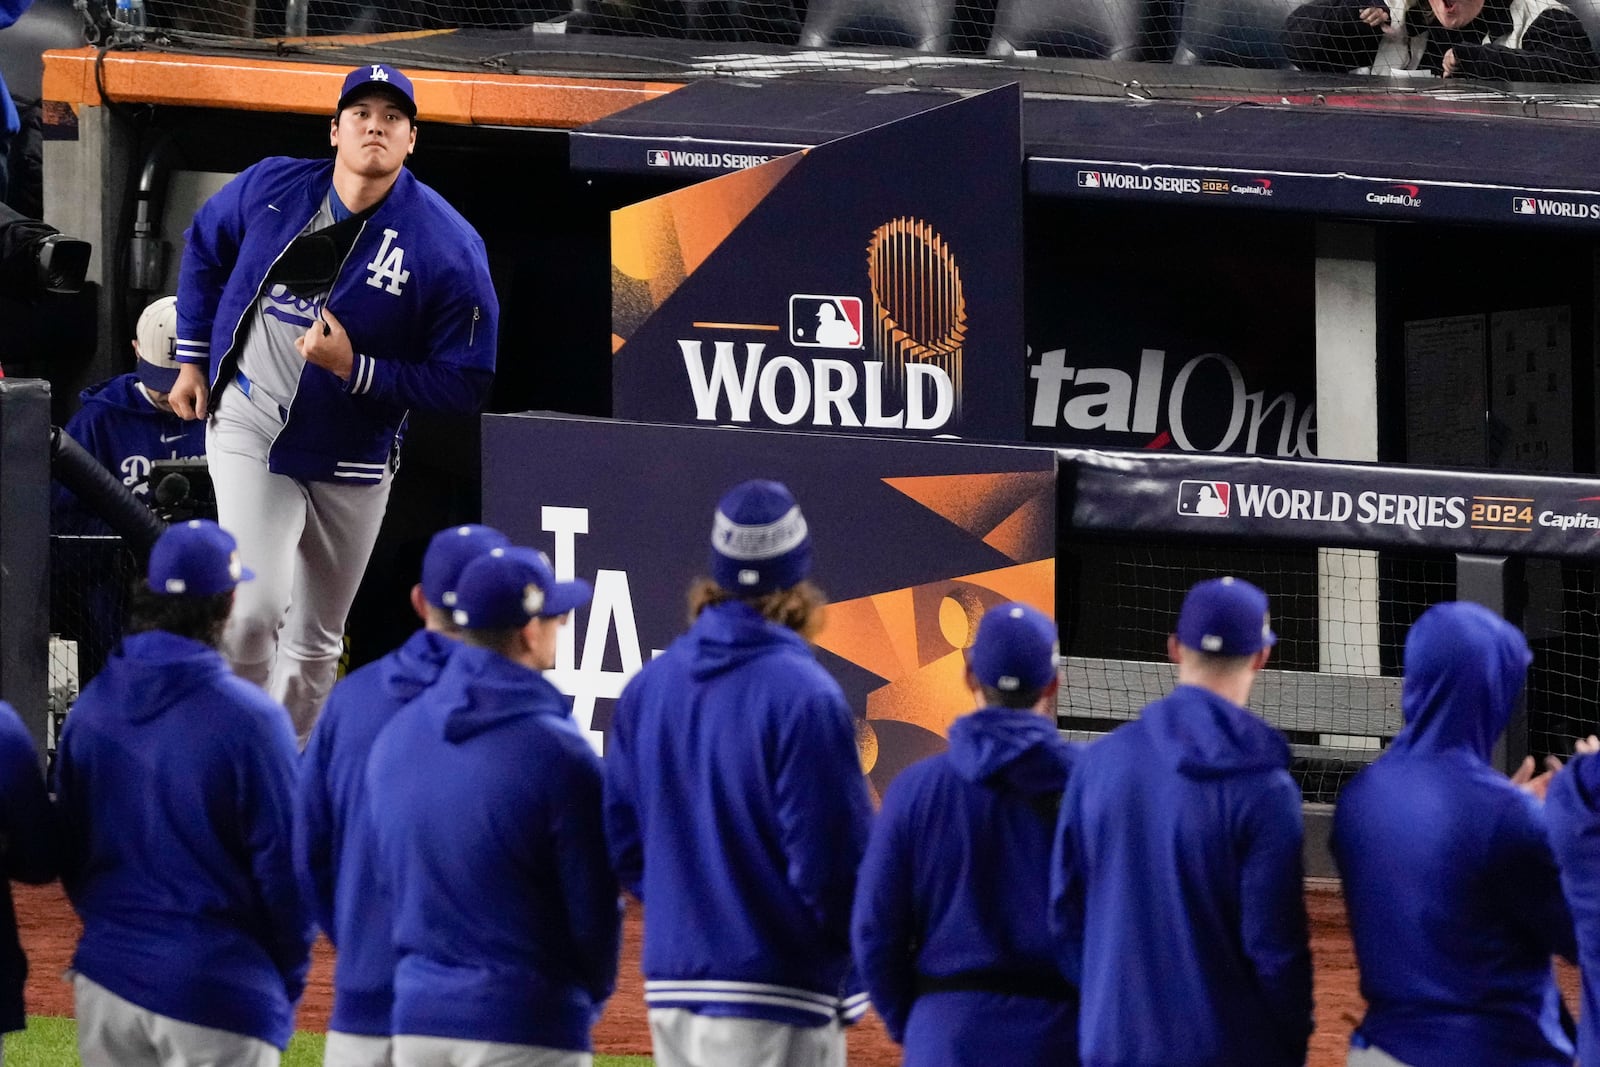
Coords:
125,432
949,924
1572,810
335,856
32,851
1463,978
737,811
175,785
1176,891
485,801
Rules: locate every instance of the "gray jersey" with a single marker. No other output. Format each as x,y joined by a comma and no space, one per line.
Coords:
269,358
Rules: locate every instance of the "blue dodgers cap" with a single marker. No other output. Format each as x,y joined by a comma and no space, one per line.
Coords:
448,554
1226,617
1016,649
507,587
195,558
759,539
379,76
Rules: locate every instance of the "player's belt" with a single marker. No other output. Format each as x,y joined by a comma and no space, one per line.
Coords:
247,389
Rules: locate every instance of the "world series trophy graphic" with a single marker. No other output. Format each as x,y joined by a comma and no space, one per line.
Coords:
918,303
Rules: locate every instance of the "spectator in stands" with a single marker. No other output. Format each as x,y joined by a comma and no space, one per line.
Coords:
30,849
175,786
949,923
335,854
1177,893
1454,900
485,807
1512,40
737,811
127,423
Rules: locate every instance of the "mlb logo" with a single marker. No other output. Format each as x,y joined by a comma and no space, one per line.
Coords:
660,158
1524,205
1088,179
1206,499
825,321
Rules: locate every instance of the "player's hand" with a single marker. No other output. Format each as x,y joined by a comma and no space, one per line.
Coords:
1587,746
1535,785
1376,17
1452,65
327,345
190,394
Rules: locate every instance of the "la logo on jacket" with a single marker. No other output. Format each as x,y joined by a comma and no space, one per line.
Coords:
389,265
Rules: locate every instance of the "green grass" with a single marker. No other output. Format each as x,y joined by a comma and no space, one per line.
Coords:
50,1041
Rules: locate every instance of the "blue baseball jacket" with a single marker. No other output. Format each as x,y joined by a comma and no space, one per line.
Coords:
1457,978
335,855
949,924
1572,811
125,433
1176,891
414,294
736,810
175,784
31,852
485,800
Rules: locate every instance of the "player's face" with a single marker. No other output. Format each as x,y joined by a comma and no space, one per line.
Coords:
373,136
543,641
1454,14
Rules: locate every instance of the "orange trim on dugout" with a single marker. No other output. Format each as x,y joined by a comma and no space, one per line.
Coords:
247,84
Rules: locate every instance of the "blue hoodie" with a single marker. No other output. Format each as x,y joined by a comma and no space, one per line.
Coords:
31,851
175,784
120,428
1454,900
1572,810
1177,891
737,811
949,924
335,856
485,801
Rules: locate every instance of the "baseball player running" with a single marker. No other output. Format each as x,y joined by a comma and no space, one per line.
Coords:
335,856
1176,886
949,926
737,811
326,298
506,917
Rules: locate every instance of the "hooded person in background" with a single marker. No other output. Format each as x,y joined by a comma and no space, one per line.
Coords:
949,922
30,851
175,786
1176,893
335,853
1572,813
1509,40
736,809
1459,978
506,917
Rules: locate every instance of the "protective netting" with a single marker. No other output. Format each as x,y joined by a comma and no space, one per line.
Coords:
1515,40
1333,682
90,576
1562,622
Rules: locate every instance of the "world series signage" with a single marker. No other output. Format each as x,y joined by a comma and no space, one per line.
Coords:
872,284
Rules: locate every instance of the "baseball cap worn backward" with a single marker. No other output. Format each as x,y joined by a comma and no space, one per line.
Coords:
1016,649
157,333
379,76
1226,617
448,554
759,539
507,587
195,558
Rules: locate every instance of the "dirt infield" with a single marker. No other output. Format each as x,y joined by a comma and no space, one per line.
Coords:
50,930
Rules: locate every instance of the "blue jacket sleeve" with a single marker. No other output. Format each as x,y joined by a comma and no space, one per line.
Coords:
587,884
455,377
623,838
1525,872
27,821
1272,910
315,844
882,925
210,251
266,816
12,10
823,811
